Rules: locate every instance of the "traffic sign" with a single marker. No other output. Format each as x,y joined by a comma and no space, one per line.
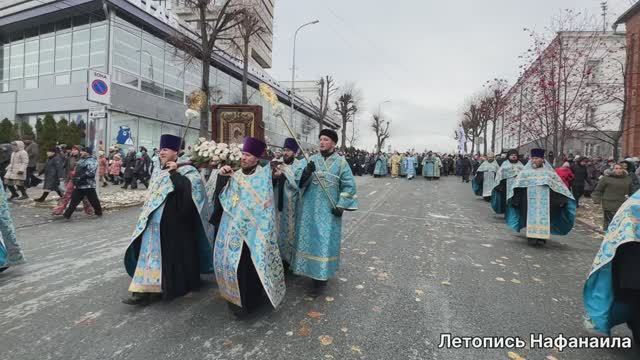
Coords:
99,87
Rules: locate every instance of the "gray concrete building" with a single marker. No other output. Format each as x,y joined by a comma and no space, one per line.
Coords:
48,48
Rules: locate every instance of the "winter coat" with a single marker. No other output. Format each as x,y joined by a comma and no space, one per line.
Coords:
53,171
581,175
17,169
103,165
611,191
143,163
593,175
566,175
115,167
85,176
32,151
129,165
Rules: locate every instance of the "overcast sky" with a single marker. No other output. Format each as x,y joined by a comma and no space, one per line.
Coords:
425,56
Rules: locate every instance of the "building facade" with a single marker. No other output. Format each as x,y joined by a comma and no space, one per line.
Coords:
631,128
48,48
577,112
261,45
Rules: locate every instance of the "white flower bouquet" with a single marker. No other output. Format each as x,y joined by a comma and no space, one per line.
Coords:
204,152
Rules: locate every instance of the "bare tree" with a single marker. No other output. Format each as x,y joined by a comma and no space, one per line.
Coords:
215,21
326,89
381,128
355,133
249,26
346,107
497,89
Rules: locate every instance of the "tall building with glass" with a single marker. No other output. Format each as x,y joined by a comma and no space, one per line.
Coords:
47,48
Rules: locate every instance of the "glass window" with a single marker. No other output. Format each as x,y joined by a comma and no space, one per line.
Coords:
152,61
46,81
4,86
80,49
81,21
59,116
47,46
63,25
17,60
47,29
63,79
16,84
97,18
80,118
174,69
98,46
4,62
150,131
79,76
17,35
30,83
63,52
126,53
173,94
31,58
124,129
124,77
191,138
31,34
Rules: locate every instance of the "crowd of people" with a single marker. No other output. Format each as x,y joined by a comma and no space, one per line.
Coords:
535,196
248,225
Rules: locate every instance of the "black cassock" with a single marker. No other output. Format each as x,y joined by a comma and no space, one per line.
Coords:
519,201
178,229
252,294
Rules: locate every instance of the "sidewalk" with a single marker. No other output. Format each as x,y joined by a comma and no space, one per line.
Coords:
111,197
590,215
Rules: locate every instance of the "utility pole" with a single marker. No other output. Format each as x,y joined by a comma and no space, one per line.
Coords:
604,6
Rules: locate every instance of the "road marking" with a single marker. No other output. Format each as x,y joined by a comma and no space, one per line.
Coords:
373,192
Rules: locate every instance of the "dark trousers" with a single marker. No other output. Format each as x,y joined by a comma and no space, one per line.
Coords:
578,191
78,195
608,216
32,180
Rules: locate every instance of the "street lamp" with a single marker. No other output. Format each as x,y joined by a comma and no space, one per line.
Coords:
293,67
380,105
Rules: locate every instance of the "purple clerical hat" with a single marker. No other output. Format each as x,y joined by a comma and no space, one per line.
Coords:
537,153
253,146
168,141
291,144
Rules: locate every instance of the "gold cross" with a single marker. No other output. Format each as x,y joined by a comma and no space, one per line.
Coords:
234,199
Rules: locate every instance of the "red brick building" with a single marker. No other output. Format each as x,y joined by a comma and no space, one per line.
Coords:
631,128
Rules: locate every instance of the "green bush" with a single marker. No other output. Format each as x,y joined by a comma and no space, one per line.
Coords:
75,136
39,127
49,136
7,131
26,131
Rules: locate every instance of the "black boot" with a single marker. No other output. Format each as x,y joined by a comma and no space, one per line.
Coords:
43,197
318,286
142,299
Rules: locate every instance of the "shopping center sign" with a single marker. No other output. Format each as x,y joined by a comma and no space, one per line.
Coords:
158,9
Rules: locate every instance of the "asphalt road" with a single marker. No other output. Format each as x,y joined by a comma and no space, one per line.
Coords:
419,259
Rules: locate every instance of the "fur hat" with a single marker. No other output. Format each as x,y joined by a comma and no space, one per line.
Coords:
537,153
331,134
169,141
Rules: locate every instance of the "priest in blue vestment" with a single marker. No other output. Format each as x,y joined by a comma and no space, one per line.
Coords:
505,178
286,180
612,291
10,253
410,164
247,259
172,242
382,167
431,166
329,190
484,181
542,203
